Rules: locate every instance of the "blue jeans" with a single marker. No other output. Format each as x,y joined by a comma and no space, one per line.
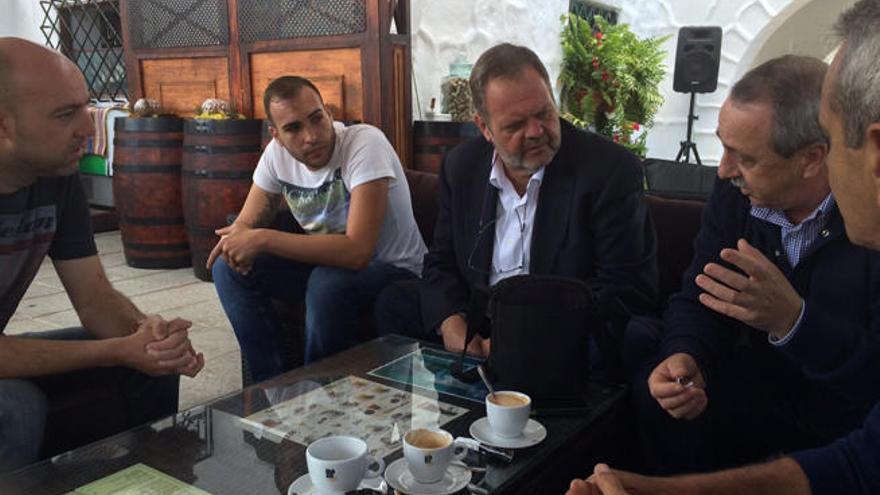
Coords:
333,298
23,410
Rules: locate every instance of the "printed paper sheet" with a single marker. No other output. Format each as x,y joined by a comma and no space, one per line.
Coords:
353,406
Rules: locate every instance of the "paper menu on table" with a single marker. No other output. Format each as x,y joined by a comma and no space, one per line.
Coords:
138,479
353,406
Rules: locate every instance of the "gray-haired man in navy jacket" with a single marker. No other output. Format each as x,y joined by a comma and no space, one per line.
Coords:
850,114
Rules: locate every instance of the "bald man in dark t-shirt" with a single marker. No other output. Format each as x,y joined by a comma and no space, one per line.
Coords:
44,124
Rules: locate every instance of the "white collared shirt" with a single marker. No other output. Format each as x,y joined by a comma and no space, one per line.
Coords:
514,222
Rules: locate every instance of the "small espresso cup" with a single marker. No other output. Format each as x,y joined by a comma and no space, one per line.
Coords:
428,453
508,413
338,464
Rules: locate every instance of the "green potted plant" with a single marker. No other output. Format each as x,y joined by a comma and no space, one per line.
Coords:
609,79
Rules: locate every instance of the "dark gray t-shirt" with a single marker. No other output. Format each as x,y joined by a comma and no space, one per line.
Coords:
50,216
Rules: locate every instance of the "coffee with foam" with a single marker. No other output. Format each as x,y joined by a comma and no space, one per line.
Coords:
508,400
428,453
427,439
508,413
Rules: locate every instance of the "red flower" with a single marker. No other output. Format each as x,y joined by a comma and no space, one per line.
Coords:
599,35
595,63
605,75
616,138
635,126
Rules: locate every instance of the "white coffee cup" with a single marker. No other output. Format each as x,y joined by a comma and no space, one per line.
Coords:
338,464
508,412
428,453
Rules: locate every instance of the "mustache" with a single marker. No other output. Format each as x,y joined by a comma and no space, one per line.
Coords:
738,182
534,145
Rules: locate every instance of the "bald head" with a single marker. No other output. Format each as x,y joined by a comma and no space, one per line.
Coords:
43,100
24,65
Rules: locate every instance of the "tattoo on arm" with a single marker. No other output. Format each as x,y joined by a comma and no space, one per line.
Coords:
267,212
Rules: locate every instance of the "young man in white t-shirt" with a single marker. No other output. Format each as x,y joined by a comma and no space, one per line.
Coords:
346,189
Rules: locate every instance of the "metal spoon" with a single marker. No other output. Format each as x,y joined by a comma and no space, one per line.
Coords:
485,379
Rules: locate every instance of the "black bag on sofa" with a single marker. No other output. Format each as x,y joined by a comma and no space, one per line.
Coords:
540,326
675,180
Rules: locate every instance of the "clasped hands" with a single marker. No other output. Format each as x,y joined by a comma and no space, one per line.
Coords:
238,245
760,297
160,347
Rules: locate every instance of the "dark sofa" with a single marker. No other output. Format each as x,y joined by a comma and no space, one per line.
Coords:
676,220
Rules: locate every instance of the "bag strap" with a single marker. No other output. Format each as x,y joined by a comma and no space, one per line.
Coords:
610,317
477,321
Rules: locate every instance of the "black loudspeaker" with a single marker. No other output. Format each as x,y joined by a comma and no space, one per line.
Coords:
696,59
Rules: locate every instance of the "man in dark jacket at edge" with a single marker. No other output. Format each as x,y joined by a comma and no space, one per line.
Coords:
850,114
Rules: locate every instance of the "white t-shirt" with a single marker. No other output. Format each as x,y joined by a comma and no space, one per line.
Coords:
319,199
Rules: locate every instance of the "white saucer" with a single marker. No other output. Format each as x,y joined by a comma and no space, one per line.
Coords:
398,476
533,434
303,485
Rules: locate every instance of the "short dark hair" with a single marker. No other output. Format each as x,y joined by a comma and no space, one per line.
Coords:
855,96
506,61
284,88
792,85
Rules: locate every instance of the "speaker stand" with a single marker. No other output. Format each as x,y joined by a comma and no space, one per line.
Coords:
688,145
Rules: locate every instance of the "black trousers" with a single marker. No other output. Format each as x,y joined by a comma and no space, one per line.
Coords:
760,406
398,311
87,405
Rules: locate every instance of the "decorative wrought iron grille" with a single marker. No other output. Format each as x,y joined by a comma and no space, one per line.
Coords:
587,10
281,19
88,32
177,23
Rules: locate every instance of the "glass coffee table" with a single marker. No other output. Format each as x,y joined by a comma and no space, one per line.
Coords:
253,441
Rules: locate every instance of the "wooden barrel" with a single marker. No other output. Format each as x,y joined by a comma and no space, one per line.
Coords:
146,189
432,139
219,157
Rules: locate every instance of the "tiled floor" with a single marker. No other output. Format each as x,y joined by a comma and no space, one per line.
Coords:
167,292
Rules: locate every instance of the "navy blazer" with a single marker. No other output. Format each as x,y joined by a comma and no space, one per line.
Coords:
835,353
850,465
592,223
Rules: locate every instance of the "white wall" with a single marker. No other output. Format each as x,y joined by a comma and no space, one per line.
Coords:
754,30
807,32
442,29
22,18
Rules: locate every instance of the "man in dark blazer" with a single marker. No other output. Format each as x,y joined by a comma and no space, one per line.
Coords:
772,343
535,196
850,115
